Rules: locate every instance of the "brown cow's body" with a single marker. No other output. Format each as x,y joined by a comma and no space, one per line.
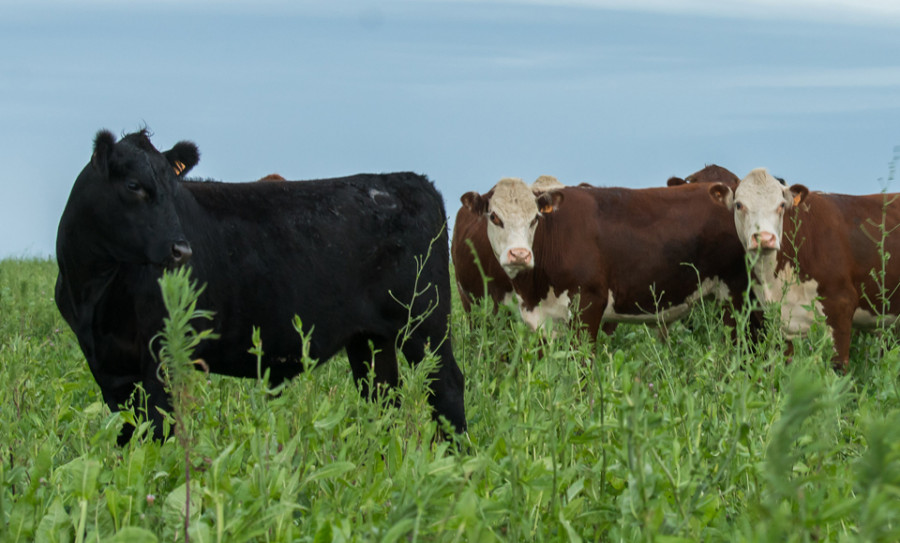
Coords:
627,255
823,258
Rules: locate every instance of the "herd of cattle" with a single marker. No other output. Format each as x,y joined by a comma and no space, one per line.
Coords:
611,255
363,262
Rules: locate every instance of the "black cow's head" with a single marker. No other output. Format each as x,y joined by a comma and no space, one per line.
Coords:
122,207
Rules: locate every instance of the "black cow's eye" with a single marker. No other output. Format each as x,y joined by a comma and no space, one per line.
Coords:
495,219
782,206
739,206
534,222
137,190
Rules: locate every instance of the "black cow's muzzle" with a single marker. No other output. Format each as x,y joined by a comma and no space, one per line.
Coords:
181,252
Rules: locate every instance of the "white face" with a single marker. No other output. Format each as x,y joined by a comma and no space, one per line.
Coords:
760,202
513,213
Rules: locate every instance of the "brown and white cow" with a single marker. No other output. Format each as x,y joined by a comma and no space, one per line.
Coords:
817,253
472,228
627,255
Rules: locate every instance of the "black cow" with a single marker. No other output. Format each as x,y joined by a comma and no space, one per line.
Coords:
340,253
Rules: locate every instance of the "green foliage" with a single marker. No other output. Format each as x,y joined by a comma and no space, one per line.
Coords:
639,437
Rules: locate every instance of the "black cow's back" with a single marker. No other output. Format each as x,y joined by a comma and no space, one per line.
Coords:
354,240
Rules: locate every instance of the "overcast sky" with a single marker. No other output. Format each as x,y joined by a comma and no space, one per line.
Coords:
622,93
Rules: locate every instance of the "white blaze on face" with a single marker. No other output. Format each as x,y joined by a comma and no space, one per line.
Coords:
513,213
759,205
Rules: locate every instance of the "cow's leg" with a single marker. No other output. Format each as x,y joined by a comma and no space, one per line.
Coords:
840,332
157,397
729,319
591,311
380,357
841,359
447,384
464,298
755,320
117,390
839,316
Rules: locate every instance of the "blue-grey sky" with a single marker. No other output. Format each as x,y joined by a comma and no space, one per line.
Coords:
610,92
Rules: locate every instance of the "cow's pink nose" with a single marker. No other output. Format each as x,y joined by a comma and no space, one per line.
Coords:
519,256
766,240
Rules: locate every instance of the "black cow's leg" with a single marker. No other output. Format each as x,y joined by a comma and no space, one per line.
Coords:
157,398
447,384
380,357
117,390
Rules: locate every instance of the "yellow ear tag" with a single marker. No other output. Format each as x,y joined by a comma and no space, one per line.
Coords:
547,209
796,200
179,167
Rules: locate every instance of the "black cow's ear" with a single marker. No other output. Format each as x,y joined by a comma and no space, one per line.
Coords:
549,202
475,202
183,157
722,195
675,181
104,142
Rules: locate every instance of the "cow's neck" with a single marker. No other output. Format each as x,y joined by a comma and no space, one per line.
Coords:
765,269
531,286
193,212
81,286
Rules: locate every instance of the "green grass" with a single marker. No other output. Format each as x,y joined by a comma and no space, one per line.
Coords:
636,438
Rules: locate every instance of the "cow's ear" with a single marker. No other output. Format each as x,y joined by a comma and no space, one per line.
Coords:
795,194
104,142
675,181
722,195
183,156
549,202
475,202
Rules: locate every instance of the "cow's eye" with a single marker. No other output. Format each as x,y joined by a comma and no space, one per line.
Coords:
534,222
495,219
136,189
739,206
781,206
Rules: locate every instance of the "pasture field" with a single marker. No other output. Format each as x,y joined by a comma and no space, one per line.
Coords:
640,437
